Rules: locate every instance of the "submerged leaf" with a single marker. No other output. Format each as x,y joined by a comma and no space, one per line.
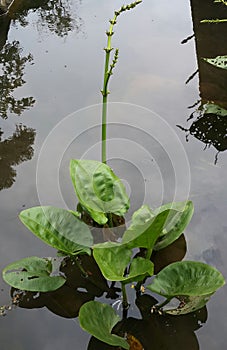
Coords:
32,274
175,223
58,228
99,319
188,279
98,189
219,61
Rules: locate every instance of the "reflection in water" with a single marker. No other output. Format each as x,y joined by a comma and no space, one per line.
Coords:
81,288
12,67
156,331
78,289
211,129
56,15
210,40
13,151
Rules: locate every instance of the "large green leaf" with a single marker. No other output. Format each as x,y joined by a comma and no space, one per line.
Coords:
219,61
59,228
187,279
175,224
98,189
113,260
99,319
32,274
144,235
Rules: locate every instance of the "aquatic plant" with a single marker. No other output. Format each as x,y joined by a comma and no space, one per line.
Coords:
102,197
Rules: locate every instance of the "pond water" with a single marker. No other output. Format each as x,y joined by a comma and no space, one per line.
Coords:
51,67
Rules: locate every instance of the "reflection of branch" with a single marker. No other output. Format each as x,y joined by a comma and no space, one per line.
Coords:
192,76
13,151
13,64
187,39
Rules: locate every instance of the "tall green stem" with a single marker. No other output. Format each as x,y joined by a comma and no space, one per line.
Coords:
108,71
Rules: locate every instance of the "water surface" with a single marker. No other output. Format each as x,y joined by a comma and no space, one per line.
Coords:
50,78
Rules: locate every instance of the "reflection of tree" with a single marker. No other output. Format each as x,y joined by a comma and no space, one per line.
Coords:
13,151
56,15
210,41
13,64
211,129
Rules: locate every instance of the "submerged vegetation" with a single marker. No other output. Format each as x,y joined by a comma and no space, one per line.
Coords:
103,201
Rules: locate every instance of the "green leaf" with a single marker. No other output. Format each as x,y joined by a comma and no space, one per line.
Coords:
219,61
75,213
139,269
98,189
141,216
214,109
99,319
187,279
175,224
58,228
32,274
144,235
189,304
114,258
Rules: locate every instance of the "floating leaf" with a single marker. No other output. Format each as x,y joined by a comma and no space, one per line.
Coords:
98,189
187,279
145,235
175,223
219,61
99,319
114,258
58,228
32,274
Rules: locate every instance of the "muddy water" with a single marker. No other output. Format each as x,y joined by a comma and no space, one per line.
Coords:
50,75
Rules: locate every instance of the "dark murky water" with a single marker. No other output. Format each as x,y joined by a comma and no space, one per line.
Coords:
50,75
